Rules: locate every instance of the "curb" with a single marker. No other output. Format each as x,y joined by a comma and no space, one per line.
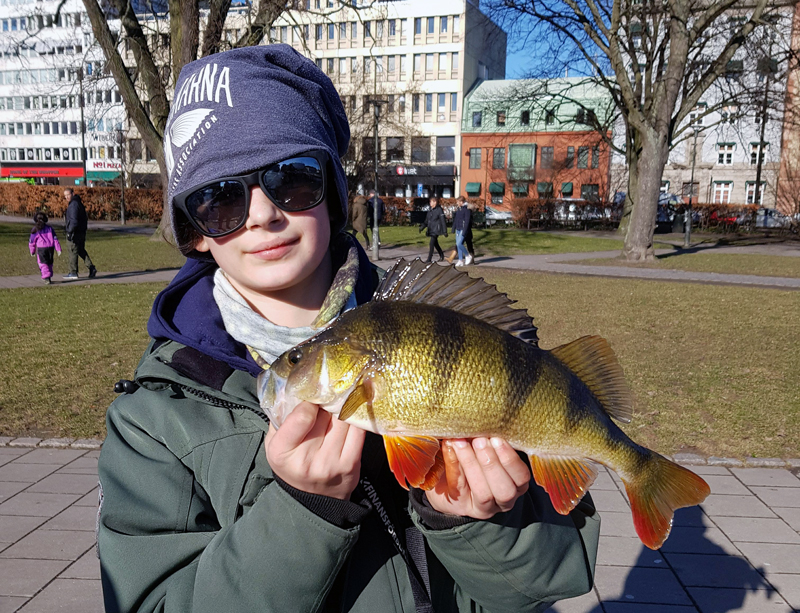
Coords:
686,459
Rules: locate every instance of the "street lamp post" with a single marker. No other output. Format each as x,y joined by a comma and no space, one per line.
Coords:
376,253
687,221
83,127
121,142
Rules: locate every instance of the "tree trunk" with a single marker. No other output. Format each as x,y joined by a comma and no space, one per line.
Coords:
645,174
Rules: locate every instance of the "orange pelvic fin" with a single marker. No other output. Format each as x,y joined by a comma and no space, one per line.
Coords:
565,479
655,494
413,459
593,361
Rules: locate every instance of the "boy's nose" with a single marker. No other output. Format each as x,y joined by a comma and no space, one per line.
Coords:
263,211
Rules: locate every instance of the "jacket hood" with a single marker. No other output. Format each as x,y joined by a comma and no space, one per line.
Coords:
186,312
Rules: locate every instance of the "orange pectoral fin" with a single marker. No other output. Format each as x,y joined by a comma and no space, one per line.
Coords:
565,479
413,459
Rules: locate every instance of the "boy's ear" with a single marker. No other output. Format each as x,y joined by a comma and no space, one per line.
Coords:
202,245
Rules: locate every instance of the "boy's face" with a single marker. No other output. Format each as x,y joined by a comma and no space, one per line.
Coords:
274,250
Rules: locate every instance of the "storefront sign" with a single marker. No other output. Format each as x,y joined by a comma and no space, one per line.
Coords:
41,171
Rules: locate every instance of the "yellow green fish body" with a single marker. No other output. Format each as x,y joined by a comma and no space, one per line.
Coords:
416,373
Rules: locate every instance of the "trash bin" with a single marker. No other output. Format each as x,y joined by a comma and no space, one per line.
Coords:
677,223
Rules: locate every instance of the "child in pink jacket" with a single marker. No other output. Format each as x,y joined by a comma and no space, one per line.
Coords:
43,243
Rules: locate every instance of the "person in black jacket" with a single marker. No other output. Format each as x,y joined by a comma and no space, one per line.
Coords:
462,224
436,226
77,225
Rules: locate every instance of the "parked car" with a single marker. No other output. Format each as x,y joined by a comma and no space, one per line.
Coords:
494,216
772,218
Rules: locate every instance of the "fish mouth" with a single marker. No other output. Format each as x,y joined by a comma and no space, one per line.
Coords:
272,397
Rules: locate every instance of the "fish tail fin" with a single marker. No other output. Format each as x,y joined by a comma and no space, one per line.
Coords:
656,492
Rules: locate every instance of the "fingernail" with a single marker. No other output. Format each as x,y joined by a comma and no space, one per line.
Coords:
496,442
460,444
479,443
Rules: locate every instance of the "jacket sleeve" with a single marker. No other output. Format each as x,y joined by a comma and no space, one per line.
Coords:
56,244
32,242
70,219
161,547
522,560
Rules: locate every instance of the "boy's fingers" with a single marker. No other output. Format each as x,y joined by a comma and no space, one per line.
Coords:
473,472
297,426
353,445
513,464
503,488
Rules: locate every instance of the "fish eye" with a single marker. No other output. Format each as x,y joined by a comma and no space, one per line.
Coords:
295,355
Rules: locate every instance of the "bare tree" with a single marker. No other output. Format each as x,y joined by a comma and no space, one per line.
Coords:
657,60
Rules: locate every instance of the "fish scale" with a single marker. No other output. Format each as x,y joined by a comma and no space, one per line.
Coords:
416,372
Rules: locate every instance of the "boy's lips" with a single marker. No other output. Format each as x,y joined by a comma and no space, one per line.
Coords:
274,249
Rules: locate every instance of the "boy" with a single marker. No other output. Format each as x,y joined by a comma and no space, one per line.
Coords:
204,507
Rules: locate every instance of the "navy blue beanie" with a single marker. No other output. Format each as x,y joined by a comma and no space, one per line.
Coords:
237,111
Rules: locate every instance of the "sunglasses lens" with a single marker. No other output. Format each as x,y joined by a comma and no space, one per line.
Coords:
218,208
295,184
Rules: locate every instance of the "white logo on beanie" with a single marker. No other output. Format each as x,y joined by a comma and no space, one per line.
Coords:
179,133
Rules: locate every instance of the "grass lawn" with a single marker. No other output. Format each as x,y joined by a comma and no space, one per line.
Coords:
713,368
730,263
111,251
502,241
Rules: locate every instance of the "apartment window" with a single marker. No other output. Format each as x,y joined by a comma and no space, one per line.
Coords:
331,31
725,153
445,149
590,192
404,27
453,102
395,149
570,162
354,65
442,103
595,157
379,64
751,192
431,25
696,115
722,192
443,25
499,158
391,64
475,157
418,25
525,118
583,157
330,65
392,27
379,29
442,62
454,61
354,30
456,24
690,190
284,34
415,103
368,148
520,160
549,117
342,65
429,62
403,64
352,105
318,62
417,62
401,104
501,118
428,103
318,32
477,117
547,157
367,65
421,149
757,153
343,30
367,30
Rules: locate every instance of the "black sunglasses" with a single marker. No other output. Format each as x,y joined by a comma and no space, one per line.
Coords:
220,207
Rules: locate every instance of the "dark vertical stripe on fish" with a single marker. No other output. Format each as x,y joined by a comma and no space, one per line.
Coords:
523,375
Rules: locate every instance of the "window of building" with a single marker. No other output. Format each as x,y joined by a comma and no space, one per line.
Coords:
428,103
417,62
725,153
595,157
757,153
501,118
367,30
585,116
415,103
431,25
722,192
343,30
392,27
317,34
354,30
442,62
367,65
429,62
583,157
379,65
690,190
418,25
420,149
751,192
330,65
570,161
475,157
499,158
547,157
368,148
395,149
453,103
391,64
590,192
342,65
445,149
354,65
403,64
456,24
549,117
379,28
477,117
331,31
454,61
520,160
443,25
696,115
525,118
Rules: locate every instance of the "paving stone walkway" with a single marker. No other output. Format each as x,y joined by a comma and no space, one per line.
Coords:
740,551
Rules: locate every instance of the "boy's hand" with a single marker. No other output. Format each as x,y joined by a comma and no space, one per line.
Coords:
481,479
315,452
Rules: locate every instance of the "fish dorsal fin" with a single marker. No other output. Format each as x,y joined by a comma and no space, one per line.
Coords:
450,288
593,361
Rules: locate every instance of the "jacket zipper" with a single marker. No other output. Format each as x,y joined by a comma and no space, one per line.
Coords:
226,404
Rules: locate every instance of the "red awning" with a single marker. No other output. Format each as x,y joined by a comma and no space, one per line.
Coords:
41,171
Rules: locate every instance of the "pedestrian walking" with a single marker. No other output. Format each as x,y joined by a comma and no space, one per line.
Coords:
462,223
360,219
436,226
468,233
43,243
205,505
77,223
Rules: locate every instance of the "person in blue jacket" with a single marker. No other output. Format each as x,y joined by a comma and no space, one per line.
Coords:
205,505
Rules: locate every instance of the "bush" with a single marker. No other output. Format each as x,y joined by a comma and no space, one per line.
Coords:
100,202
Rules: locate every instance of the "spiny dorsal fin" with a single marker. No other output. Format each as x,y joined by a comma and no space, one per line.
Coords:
450,288
593,361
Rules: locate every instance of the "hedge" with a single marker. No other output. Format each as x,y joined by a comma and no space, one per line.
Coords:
100,202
